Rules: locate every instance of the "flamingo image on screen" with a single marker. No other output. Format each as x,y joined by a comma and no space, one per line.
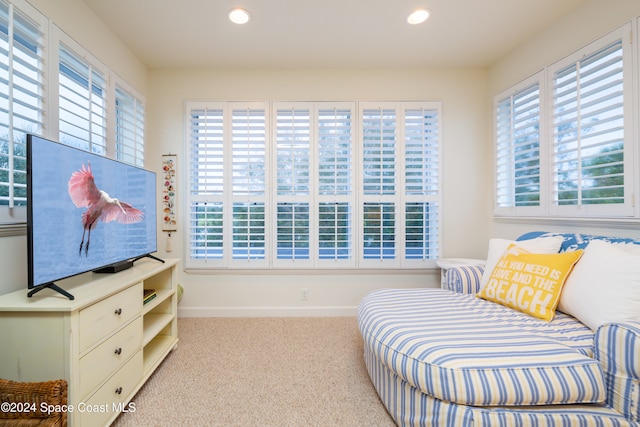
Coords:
100,205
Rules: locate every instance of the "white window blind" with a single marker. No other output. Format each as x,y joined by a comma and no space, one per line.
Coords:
422,230
129,127
379,150
22,87
401,184
249,239
293,130
206,231
206,183
564,143
379,230
335,195
292,230
518,182
293,157
82,103
62,94
309,210
422,152
335,158
249,152
590,164
335,233
422,182
206,153
249,182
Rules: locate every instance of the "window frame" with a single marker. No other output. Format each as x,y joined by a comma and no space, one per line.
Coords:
510,207
13,220
548,209
136,119
626,209
13,216
314,198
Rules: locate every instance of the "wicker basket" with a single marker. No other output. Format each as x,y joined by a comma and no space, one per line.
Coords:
27,403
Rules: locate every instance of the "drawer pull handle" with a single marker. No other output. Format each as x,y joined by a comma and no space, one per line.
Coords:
119,390
118,350
118,311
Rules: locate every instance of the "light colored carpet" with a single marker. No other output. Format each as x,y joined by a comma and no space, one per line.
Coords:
261,372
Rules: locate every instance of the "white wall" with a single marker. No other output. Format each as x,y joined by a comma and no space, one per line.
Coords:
79,22
466,174
595,19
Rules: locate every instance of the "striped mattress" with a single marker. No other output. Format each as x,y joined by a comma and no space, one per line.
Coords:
463,350
410,407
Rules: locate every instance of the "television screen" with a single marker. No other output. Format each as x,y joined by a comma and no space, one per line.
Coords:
85,211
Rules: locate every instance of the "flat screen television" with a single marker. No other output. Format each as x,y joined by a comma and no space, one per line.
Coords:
85,212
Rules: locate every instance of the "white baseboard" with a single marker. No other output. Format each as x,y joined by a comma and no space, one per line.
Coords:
268,312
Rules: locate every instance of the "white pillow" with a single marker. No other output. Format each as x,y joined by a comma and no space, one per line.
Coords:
497,247
604,285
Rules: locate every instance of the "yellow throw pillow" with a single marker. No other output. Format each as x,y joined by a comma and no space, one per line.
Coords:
529,282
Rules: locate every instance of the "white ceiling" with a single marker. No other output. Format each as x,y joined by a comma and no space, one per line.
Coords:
325,33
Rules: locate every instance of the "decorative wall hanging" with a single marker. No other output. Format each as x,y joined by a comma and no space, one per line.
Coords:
169,220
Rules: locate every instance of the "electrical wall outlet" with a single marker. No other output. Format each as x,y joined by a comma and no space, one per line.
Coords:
304,294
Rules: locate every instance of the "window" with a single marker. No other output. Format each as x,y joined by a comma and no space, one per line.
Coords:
588,171
249,182
206,186
129,127
335,195
96,110
518,149
79,105
589,136
82,103
293,183
22,52
274,185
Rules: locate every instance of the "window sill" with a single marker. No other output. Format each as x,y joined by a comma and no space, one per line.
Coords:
318,271
623,223
10,230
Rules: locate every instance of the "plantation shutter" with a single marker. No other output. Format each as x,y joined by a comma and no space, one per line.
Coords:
335,130
22,52
82,103
248,180
518,142
307,210
379,225
293,161
422,182
379,151
206,183
335,152
590,166
129,112
379,137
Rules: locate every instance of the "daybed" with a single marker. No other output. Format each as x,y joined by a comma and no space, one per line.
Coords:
446,357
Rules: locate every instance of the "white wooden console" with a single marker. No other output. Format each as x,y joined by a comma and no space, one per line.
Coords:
105,343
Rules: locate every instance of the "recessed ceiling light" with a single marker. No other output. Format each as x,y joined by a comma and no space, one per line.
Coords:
239,16
418,16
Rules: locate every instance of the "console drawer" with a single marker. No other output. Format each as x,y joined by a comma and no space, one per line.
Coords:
104,317
105,359
113,395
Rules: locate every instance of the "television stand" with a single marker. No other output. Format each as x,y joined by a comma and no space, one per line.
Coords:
51,286
150,256
124,265
106,343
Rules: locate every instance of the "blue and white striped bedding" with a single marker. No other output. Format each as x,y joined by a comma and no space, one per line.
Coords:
460,349
617,347
411,407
